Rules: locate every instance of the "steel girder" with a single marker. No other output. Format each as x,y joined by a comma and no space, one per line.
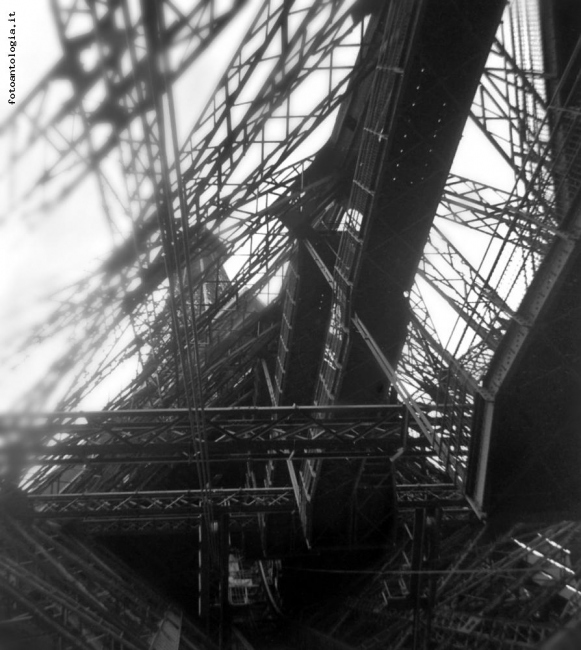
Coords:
395,44
224,452
397,41
488,591
59,592
136,429
447,423
83,456
77,445
232,218
510,107
543,229
380,611
496,213
105,56
511,592
162,504
529,233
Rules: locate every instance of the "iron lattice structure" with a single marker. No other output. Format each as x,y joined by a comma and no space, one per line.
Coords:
59,591
318,316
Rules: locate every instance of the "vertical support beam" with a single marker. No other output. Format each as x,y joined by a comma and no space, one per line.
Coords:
224,551
302,502
203,573
416,577
485,432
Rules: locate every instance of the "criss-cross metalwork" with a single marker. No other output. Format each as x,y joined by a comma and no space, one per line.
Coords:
296,213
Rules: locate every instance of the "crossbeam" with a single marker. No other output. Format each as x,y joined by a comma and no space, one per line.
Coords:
159,504
218,452
243,429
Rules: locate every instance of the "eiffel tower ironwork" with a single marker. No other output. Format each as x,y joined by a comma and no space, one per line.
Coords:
341,342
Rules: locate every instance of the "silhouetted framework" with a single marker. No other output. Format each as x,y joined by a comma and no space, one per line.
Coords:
340,345
57,591
468,588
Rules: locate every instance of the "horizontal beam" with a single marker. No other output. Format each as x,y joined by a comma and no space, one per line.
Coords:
178,435
141,526
209,413
219,452
428,495
159,504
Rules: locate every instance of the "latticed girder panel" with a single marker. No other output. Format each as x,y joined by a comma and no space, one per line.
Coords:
517,589
495,255
57,590
396,41
161,504
256,133
345,423
99,451
456,629
511,592
90,102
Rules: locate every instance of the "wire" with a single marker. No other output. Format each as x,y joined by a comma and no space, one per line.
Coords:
405,572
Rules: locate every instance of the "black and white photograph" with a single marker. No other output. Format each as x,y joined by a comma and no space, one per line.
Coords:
290,325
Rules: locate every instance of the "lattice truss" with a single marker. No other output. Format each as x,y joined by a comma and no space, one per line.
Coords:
188,297
186,303
58,592
131,471
512,592
188,300
476,589
493,246
198,220
494,253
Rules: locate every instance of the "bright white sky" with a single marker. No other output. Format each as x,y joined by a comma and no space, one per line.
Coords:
35,254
